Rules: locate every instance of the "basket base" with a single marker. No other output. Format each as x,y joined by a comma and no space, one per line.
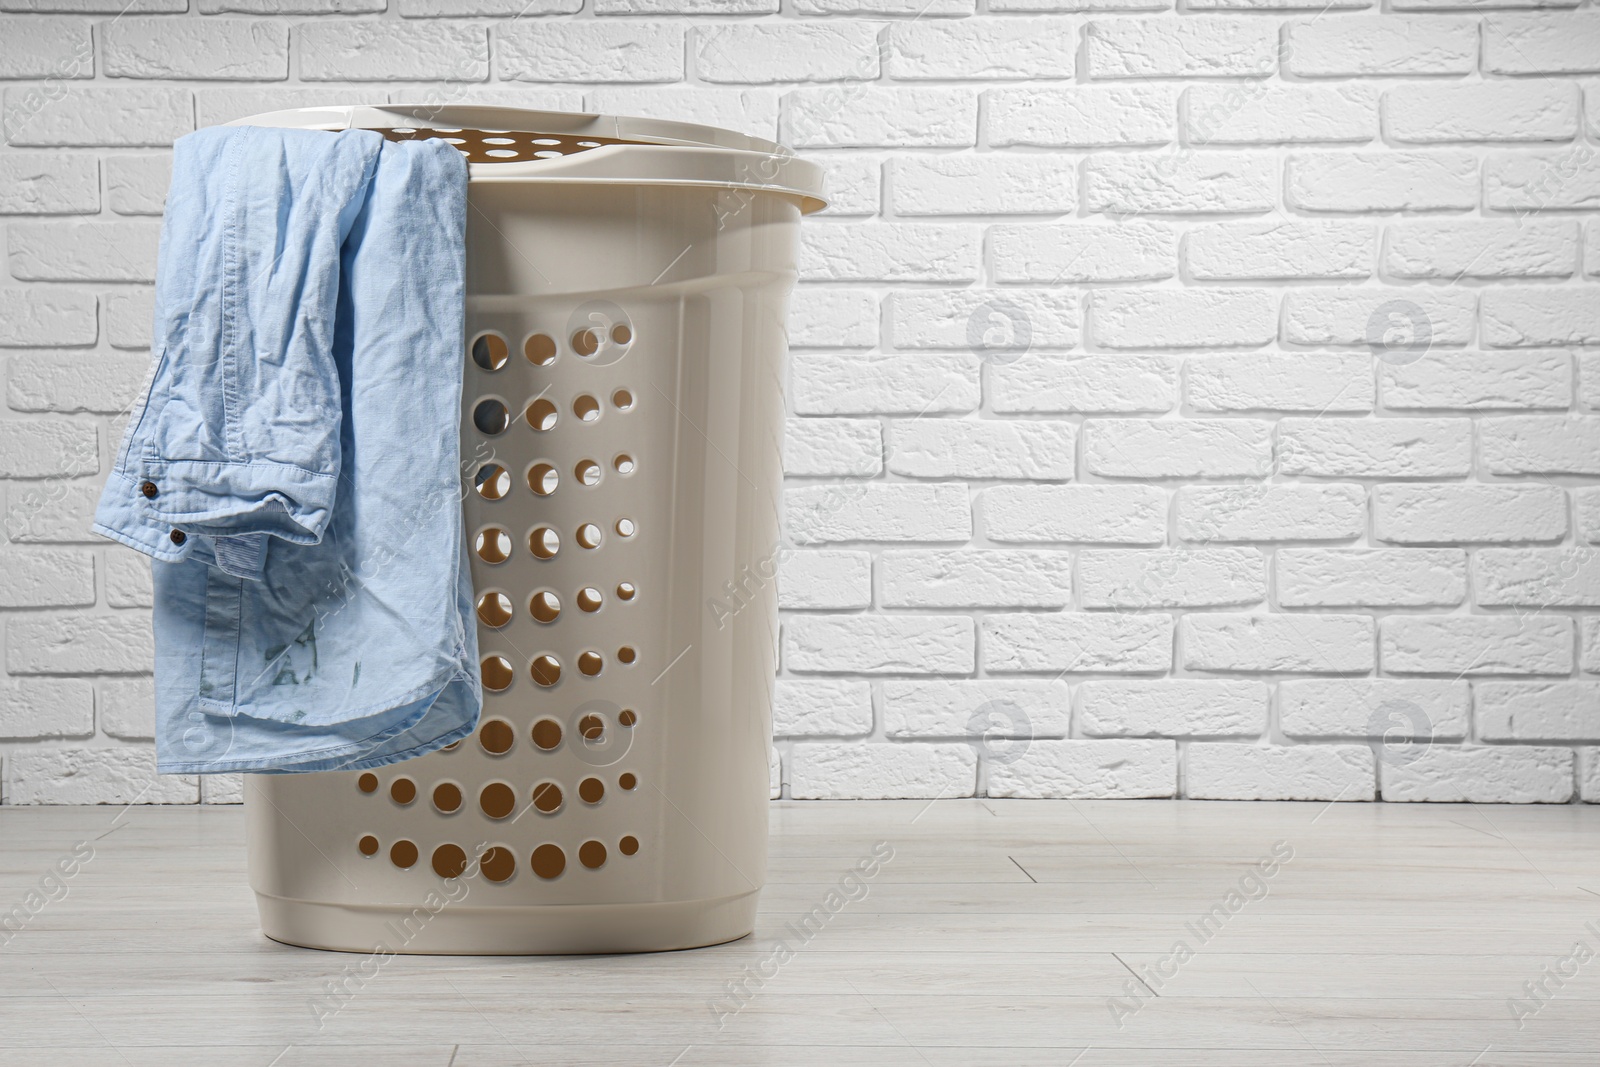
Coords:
552,930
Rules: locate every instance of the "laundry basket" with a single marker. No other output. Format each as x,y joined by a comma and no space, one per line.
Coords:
627,282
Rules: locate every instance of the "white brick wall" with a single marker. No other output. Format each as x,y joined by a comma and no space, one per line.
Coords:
1196,402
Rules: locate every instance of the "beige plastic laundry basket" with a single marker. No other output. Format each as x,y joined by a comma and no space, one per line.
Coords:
627,282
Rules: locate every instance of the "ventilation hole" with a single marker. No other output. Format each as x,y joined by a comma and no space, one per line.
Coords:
502,153
546,671
591,727
546,734
620,334
401,129
367,783
497,800
494,609
447,798
540,350
544,606
547,797
548,861
588,472
553,141
492,545
586,342
490,351
451,747
627,781
542,414
403,854
625,528
544,542
592,854
590,790
586,408
491,417
622,400
498,864
589,598
628,717
498,140
403,791
497,673
627,654
623,463
543,479
626,591
368,845
588,144
496,737
591,664
449,861
492,481
589,535
628,845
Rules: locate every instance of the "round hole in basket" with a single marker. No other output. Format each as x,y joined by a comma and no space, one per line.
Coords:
540,349
491,417
543,479
490,351
586,407
494,609
546,670
544,542
492,544
497,673
545,606
492,481
542,415
589,599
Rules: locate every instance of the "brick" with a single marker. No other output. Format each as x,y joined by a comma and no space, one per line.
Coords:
55,49
879,644
126,707
299,7
1195,578
1091,384
1280,381
1476,5
1478,381
79,644
894,118
982,448
33,708
1311,644
46,578
832,318
121,775
105,382
48,448
787,52
998,578
1081,116
821,707
1407,712
373,51
1183,318
919,8
1233,251
222,789
1396,323
1088,770
1080,5
1276,5
96,7
1528,315
412,9
999,325
1088,514
889,252
111,116
137,185
1587,503
854,182
1186,48
1476,644
1532,248
990,184
1380,45
1249,113
1482,776
1540,444
1467,514
989,49
1285,512
751,111
123,251
1537,577
1542,44
129,316
997,710
1219,770
1181,182
878,512
876,771
1173,708
1589,776
827,579
217,105
1360,182
1375,448
813,447
1537,711
1370,577
211,49
127,580
1485,111
1077,642
857,384
1590,645
1121,251
51,512
48,183
1529,182
1191,448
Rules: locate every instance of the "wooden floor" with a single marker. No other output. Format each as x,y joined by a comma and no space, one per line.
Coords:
1003,933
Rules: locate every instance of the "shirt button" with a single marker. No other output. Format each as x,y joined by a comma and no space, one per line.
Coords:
178,537
149,490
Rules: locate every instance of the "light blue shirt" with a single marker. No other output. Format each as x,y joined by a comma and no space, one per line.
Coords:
294,467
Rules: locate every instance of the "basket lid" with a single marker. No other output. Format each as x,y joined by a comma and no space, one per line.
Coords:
508,144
